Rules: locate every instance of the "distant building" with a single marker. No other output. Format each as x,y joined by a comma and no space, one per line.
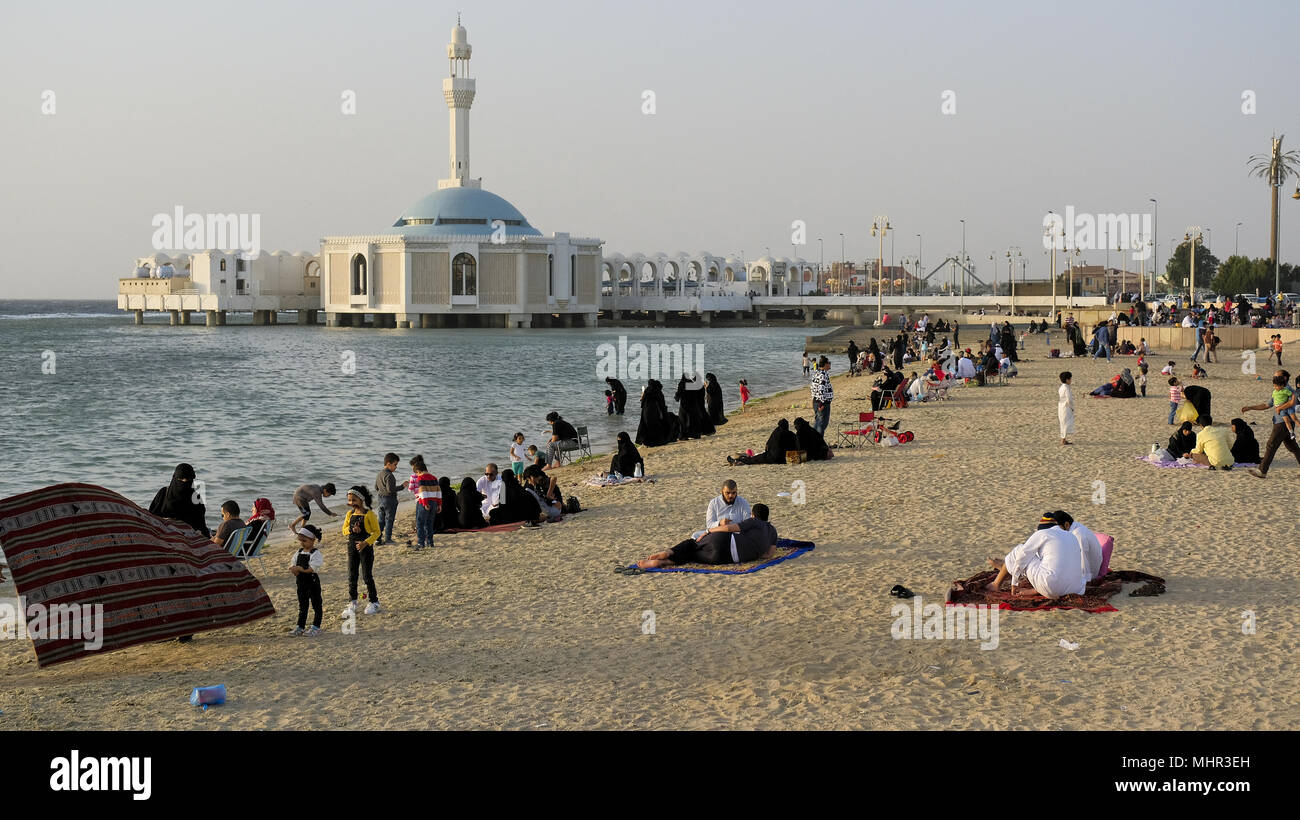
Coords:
214,282
461,256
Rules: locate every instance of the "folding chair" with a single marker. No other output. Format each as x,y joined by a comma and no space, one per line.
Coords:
247,543
856,436
581,444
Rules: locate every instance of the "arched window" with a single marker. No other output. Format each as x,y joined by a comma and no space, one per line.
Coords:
464,275
358,275
550,274
573,276
223,264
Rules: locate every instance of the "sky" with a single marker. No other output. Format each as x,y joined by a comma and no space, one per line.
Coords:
765,114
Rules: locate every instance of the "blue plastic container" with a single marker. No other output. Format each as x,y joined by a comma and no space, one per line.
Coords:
208,695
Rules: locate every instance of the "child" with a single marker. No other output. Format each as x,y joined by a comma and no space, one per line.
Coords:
609,404
744,393
362,529
1167,370
1065,407
1142,377
1175,396
1277,348
424,486
535,457
805,363
1198,372
1282,403
307,493
386,488
305,566
518,452
230,522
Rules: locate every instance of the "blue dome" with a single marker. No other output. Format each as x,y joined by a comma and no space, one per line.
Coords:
461,212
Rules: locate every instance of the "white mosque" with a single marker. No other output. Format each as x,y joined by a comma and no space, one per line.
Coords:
460,256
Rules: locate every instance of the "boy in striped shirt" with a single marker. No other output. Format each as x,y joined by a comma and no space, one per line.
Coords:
1175,396
428,501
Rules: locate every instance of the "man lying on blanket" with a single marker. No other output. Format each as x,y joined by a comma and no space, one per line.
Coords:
732,543
1051,559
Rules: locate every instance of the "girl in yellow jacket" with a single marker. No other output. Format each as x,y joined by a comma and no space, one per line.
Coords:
361,526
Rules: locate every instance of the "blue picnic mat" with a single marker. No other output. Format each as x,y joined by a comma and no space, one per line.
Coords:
786,549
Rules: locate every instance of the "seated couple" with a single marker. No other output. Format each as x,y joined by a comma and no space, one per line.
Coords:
1209,445
752,539
805,437
1120,387
1058,559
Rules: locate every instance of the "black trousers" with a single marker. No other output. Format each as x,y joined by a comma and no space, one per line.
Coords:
620,403
1280,436
713,548
363,559
309,593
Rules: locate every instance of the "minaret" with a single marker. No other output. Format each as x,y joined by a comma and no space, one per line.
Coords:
458,89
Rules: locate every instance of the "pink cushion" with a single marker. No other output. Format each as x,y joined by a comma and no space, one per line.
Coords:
1107,544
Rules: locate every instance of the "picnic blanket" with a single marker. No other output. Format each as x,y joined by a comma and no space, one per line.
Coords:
786,549
1095,598
511,527
78,545
1155,462
617,481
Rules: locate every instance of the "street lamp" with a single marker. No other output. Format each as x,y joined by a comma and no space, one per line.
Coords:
1236,241
821,263
839,282
878,229
1192,236
1155,239
920,288
1011,273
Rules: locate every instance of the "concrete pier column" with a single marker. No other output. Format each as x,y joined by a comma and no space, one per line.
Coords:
568,322
272,317
185,317
762,314
302,317
210,318
857,318
593,319
331,319
440,322
221,318
808,314
519,320
706,318
139,317
405,320
174,317
661,316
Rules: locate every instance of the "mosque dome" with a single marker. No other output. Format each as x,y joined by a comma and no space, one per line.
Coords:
461,212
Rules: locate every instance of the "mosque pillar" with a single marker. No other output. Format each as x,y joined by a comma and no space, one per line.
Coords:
808,314
174,317
210,318
331,319
139,317
593,319
762,314
857,317
568,321
519,320
405,320
706,317
440,321
221,318
302,317
185,317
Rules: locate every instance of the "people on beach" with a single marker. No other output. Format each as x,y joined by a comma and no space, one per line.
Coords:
306,494
306,565
620,394
1175,396
811,442
1051,560
713,400
805,363
609,402
448,506
230,522
822,395
693,416
1198,400
489,486
727,507
781,441
1212,446
1065,407
1280,435
262,511
470,503
1245,447
744,395
752,539
428,500
627,459
361,526
178,501
561,432
514,503
1089,545
545,489
657,426
852,354
518,454
386,487
884,387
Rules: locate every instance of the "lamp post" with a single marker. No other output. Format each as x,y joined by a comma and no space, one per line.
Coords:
821,263
1047,232
839,282
1011,273
1236,241
878,229
1192,236
994,265
1155,240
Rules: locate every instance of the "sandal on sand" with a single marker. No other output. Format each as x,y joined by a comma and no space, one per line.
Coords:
1257,474
1148,590
632,570
900,591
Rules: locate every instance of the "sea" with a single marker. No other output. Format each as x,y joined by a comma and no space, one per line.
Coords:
89,396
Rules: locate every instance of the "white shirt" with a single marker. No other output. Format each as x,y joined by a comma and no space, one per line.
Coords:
965,368
518,451
1091,549
1167,370
316,561
719,509
1051,560
491,491
1187,321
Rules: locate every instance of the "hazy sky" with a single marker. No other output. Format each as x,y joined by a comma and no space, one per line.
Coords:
766,113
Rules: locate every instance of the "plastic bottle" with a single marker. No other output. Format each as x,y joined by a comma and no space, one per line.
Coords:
638,473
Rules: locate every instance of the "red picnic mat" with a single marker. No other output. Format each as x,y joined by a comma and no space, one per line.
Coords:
1095,598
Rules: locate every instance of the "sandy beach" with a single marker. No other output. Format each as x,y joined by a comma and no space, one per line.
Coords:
533,630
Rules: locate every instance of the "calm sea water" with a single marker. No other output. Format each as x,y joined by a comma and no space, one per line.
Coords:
260,410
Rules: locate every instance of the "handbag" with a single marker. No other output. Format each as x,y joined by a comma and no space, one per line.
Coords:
796,456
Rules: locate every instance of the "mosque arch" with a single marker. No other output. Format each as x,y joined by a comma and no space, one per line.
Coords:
464,275
358,274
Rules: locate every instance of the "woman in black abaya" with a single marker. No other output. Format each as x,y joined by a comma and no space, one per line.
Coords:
781,441
1245,448
516,503
713,400
694,419
470,502
627,458
810,441
657,427
176,501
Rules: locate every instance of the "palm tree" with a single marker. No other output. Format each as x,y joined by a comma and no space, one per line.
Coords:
1275,167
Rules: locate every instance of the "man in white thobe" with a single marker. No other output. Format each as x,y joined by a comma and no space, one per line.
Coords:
1089,545
1050,559
489,484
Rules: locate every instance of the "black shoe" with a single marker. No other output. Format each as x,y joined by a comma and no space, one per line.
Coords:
186,639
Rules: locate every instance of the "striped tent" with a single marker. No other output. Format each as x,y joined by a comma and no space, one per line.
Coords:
71,547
